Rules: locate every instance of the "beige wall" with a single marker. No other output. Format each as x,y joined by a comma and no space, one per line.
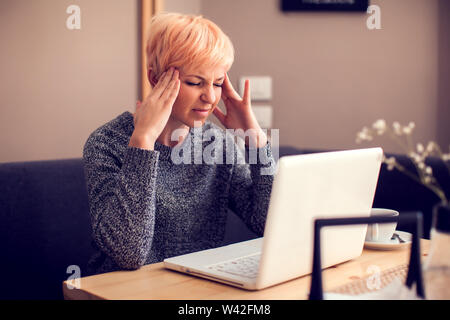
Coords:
332,75
183,6
58,85
444,74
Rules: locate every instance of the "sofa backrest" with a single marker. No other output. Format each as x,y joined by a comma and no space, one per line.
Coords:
44,227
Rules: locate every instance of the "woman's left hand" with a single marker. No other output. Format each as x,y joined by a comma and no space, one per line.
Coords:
240,114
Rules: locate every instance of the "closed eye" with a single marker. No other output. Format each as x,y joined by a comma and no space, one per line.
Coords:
197,84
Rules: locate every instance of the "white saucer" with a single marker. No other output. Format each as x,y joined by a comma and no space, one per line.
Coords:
390,244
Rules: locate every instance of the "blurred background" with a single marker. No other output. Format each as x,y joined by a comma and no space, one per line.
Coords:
330,74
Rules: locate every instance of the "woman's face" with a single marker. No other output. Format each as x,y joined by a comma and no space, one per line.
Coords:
200,92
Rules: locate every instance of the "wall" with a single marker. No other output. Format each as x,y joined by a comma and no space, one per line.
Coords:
183,6
444,75
332,75
58,85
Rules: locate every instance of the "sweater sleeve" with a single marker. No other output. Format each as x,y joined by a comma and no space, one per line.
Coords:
121,190
251,185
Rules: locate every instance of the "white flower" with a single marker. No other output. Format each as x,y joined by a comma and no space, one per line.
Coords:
420,148
423,174
397,128
415,157
407,130
363,135
380,126
390,163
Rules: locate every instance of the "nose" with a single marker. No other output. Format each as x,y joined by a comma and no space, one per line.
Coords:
209,95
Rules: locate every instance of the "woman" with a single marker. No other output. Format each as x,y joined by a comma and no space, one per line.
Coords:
144,206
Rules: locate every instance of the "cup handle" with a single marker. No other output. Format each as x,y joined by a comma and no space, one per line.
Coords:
375,231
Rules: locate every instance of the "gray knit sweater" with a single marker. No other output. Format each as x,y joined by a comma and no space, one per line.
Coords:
146,207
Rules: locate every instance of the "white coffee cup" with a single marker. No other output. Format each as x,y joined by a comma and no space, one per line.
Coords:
381,232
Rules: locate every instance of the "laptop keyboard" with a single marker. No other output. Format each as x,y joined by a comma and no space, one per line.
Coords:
244,266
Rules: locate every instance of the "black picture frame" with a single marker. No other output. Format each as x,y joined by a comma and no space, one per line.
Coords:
325,5
414,275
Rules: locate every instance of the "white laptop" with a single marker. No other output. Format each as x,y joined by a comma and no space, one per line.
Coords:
305,187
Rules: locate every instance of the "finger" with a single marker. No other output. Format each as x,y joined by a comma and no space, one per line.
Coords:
219,115
173,88
171,94
155,91
173,77
228,90
174,93
163,82
246,98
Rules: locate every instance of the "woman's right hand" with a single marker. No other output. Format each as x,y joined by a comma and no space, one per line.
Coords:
152,114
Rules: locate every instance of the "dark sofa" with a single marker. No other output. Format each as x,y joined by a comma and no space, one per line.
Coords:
45,226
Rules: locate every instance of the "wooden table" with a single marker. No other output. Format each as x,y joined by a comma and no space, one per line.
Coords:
154,282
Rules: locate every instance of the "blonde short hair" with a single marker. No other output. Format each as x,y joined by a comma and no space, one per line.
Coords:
177,40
